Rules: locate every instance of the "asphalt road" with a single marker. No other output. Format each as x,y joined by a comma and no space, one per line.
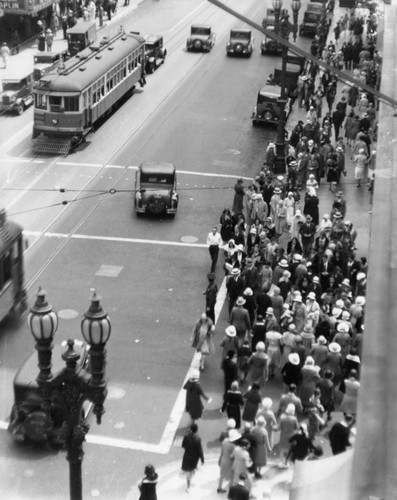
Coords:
194,111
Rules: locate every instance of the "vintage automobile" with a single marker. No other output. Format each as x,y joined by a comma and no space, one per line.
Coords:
30,420
292,73
81,36
155,188
154,52
241,42
201,38
267,108
17,93
44,62
270,46
269,19
311,19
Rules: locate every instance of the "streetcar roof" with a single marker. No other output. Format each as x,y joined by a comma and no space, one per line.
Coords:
89,65
9,232
157,167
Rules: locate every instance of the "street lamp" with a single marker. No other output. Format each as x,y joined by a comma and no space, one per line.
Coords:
283,28
323,27
75,384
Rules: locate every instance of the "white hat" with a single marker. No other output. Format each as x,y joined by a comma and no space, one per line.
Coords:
360,300
316,279
290,410
235,271
342,327
234,435
293,358
297,298
231,331
283,263
336,311
248,291
270,310
194,374
360,276
260,346
311,296
267,403
240,301
240,247
231,423
322,340
334,347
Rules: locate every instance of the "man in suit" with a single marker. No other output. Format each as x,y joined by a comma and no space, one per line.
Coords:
240,319
239,491
235,287
339,435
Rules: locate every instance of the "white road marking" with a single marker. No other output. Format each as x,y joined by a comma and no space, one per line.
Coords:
167,438
113,238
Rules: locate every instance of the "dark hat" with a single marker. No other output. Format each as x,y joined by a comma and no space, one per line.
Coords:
211,276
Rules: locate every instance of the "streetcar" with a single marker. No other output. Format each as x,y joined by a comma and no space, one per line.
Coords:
81,92
12,291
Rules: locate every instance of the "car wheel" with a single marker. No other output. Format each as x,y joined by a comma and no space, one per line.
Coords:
268,115
20,109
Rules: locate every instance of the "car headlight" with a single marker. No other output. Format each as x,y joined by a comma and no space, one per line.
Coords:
138,195
13,98
54,121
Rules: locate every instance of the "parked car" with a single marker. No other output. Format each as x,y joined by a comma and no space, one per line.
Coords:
155,188
311,19
267,108
269,19
201,38
44,62
29,421
292,73
17,94
154,52
241,42
270,46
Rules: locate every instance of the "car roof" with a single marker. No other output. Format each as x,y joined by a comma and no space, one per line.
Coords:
240,30
271,91
157,167
82,27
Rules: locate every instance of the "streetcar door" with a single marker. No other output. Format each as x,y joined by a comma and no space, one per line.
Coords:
87,113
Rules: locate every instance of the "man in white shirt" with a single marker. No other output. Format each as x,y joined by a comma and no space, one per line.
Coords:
214,240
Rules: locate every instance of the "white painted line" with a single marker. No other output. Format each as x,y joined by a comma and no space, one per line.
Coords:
74,164
113,238
3,425
126,444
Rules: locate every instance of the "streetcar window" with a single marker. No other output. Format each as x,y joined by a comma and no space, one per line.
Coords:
41,101
71,103
55,103
5,269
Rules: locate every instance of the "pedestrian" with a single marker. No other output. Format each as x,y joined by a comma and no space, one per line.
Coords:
290,398
360,161
239,318
16,40
334,362
327,393
288,425
225,460
230,369
273,350
310,378
291,371
54,23
64,25
270,419
214,241
201,338
194,395
349,401
192,455
239,491
253,399
262,446
258,366
300,445
339,435
238,201
243,354
233,402
49,38
241,461
4,54
319,351
314,413
229,341
307,232
210,297
234,286
147,486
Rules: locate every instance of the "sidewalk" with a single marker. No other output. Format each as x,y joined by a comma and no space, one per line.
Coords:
21,64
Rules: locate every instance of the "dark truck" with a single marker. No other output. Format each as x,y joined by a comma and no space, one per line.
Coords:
17,93
241,42
81,36
154,52
201,38
295,66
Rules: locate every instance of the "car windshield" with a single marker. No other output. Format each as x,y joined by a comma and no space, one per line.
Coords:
156,179
264,98
201,31
13,85
311,17
242,35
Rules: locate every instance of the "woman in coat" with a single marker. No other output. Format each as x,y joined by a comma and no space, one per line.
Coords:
193,453
238,201
349,402
270,419
258,366
310,378
288,425
194,395
147,486
202,338
280,218
262,446
225,460
232,403
253,399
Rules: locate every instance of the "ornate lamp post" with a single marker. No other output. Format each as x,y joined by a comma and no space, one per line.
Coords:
322,30
283,28
75,384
